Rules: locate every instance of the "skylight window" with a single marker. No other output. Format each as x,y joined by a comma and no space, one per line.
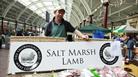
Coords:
44,9
50,8
25,2
41,6
33,7
42,15
38,11
48,3
33,0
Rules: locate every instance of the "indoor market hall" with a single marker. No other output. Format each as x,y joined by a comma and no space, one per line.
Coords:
68,38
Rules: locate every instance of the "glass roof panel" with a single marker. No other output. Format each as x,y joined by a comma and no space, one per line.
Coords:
25,2
42,15
33,0
41,6
48,3
39,11
44,9
33,7
50,8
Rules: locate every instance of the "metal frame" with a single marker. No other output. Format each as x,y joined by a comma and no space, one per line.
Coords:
8,8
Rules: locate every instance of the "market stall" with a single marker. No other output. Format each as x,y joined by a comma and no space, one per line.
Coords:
125,29
45,54
92,28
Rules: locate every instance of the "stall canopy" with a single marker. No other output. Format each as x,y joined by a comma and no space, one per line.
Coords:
126,28
119,29
92,28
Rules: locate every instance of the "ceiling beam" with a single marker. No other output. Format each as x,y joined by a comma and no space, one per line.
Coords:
74,20
96,9
76,16
29,17
21,13
118,11
79,11
121,10
87,8
43,24
18,17
8,8
39,22
33,13
35,19
31,4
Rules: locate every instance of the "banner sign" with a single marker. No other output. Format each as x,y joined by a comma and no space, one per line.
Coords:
48,56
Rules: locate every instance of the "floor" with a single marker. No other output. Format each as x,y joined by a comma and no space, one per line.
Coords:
132,68
4,54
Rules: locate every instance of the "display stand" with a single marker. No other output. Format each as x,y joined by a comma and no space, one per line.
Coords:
35,39
63,55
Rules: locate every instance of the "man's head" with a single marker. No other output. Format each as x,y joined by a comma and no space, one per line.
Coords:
59,12
59,9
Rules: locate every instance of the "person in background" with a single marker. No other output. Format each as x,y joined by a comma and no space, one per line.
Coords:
131,43
0,40
19,32
59,27
122,38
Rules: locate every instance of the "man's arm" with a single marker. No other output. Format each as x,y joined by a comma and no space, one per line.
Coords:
70,28
78,33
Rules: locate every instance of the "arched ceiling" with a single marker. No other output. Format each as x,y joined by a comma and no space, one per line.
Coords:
41,6
33,11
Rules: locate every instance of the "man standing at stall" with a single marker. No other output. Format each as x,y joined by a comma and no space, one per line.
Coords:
59,27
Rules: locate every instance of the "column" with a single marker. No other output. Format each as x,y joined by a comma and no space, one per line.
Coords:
105,19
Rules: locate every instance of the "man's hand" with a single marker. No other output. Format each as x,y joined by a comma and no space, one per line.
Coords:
85,37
